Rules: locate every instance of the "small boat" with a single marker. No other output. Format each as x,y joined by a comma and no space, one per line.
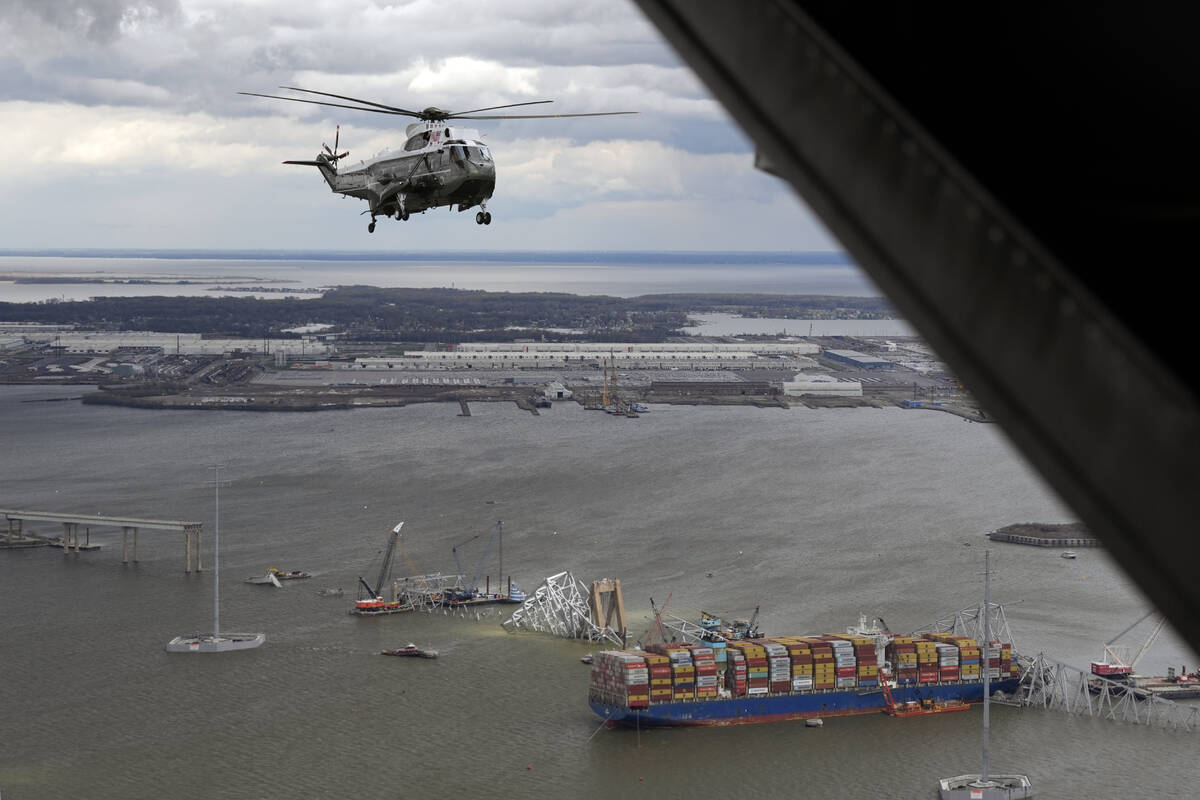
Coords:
412,650
289,575
274,576
586,659
912,708
1069,554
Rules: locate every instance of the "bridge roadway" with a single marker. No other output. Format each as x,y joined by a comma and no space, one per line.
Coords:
71,523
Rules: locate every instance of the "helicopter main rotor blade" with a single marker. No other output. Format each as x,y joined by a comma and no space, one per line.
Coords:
335,105
493,108
543,116
354,100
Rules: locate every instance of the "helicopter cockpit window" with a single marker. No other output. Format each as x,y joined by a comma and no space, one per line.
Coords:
415,143
458,153
480,154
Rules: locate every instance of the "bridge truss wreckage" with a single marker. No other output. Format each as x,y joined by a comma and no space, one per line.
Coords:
563,606
1060,687
969,622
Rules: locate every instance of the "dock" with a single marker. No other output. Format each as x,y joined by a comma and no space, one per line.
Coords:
1046,535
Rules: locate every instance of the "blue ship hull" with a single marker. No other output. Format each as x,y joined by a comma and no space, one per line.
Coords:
777,707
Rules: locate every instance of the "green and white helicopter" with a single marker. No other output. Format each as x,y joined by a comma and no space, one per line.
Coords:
439,165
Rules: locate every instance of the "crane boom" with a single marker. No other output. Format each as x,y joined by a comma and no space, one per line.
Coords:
486,552
1162,621
1116,663
386,567
454,551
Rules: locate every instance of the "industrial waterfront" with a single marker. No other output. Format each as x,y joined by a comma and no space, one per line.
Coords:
816,514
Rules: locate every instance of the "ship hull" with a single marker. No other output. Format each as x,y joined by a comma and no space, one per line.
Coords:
781,707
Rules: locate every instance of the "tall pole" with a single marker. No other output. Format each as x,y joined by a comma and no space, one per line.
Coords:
217,554
500,536
987,661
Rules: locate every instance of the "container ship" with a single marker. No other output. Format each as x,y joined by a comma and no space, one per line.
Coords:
794,677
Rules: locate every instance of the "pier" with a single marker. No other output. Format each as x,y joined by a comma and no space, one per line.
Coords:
16,536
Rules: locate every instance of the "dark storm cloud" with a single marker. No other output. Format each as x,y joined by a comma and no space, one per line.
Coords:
99,21
200,52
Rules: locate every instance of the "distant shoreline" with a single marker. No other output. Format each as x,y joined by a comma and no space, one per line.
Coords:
666,257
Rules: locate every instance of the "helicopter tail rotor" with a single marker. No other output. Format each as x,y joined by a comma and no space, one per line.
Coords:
333,155
329,157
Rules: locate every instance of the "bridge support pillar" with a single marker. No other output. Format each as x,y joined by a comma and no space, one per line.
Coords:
191,544
70,537
125,529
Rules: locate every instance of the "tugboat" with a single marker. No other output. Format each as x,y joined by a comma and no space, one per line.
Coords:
412,650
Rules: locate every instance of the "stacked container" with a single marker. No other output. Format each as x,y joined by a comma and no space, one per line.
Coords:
844,661
736,677
757,671
683,674
779,666
868,661
800,655
969,660
704,661
967,650
947,661
1008,667
660,678
927,661
824,667
622,677
902,652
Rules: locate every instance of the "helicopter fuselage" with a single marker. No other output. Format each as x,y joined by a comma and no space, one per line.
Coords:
438,166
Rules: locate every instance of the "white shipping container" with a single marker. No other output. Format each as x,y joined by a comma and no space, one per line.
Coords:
760,690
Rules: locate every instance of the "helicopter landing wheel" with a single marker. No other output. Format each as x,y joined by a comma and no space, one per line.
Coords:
370,227
404,216
479,218
487,218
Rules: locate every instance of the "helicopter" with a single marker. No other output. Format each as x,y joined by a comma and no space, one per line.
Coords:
439,165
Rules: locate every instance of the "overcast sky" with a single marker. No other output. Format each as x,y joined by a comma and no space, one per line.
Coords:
124,128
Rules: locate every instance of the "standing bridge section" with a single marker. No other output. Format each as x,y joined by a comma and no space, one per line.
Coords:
17,536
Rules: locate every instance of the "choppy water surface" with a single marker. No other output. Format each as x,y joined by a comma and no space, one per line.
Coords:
817,515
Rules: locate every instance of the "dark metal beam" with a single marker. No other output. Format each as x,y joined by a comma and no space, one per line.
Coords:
996,288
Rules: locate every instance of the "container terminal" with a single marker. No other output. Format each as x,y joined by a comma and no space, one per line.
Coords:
173,371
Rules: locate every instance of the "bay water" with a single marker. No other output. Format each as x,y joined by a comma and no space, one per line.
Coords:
816,515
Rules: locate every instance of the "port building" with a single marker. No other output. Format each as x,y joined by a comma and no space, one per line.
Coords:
170,343
625,355
857,359
821,386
